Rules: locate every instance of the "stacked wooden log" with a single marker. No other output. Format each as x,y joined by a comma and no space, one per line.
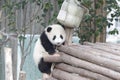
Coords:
92,61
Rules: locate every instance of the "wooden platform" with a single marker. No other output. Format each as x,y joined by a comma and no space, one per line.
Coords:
91,61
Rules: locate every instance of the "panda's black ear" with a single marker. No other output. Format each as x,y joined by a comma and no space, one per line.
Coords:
49,29
61,24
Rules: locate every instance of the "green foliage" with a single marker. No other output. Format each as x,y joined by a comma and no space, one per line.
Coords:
53,19
9,8
94,23
47,6
21,4
60,3
22,38
114,31
113,5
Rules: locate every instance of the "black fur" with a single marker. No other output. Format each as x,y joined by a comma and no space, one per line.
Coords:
54,37
48,46
45,67
61,24
49,29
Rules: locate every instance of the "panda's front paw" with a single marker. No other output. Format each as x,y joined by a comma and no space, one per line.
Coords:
45,76
56,55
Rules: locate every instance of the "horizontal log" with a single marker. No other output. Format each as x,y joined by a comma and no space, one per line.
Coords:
52,58
98,52
81,72
90,66
110,45
62,75
52,78
85,55
104,48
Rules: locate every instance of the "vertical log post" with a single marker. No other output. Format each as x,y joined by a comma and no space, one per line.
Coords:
22,75
69,32
0,13
8,64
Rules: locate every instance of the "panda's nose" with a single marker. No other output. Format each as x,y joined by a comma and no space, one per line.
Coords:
58,43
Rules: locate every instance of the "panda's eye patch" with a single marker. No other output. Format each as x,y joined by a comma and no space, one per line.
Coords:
61,36
54,37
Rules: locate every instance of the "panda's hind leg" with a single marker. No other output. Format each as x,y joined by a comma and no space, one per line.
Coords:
45,68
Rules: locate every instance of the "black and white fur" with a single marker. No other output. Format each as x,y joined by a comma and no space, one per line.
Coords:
53,35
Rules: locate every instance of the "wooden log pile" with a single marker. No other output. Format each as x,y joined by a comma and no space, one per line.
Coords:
91,61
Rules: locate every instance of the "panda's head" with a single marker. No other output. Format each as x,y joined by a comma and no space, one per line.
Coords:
56,34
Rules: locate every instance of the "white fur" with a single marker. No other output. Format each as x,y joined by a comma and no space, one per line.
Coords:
39,51
57,30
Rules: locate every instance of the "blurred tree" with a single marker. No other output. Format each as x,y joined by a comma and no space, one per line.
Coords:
22,17
93,26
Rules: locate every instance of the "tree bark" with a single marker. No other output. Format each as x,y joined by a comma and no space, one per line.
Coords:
103,48
85,55
82,72
22,75
62,75
69,32
52,78
52,58
98,52
8,63
89,66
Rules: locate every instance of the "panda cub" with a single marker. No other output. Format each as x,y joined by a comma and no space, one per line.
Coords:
53,35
